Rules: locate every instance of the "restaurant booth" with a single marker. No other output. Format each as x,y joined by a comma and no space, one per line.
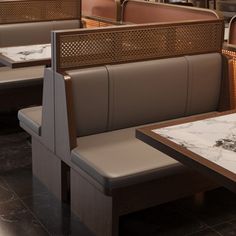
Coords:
103,75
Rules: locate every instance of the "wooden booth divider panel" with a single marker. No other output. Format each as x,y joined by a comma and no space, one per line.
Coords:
35,10
80,48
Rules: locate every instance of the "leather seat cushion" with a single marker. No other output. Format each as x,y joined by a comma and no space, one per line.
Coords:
117,159
31,118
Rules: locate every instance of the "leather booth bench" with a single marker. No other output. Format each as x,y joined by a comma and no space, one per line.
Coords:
141,12
133,11
229,49
232,31
28,23
83,137
102,10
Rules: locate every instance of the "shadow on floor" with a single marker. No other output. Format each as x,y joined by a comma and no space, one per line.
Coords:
28,209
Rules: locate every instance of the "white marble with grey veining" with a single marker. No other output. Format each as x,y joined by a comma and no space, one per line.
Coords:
213,139
27,53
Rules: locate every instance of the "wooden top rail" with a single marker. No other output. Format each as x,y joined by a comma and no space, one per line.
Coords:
141,12
20,11
120,44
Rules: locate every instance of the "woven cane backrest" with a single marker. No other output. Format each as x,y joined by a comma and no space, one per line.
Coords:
113,45
39,10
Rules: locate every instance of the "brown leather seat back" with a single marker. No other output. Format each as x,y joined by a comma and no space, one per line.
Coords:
90,100
99,8
126,95
32,33
146,92
204,83
232,31
148,12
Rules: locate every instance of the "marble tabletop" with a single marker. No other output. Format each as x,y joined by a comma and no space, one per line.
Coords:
21,54
213,139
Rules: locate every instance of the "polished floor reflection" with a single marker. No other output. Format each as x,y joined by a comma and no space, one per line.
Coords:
27,208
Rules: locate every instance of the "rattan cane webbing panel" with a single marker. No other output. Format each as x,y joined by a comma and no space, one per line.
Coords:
121,44
38,10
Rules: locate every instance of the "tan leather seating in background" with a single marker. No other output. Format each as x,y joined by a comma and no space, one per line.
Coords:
99,8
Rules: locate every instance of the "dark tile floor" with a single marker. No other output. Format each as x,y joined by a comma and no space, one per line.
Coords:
27,208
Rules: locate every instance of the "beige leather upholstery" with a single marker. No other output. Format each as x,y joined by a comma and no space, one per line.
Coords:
131,94
117,159
205,75
25,33
107,10
232,30
99,8
31,118
141,12
32,33
20,77
139,93
145,92
90,98
66,24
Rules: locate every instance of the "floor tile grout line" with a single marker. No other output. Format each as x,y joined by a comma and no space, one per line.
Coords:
11,188
30,211
37,194
35,216
207,226
15,196
212,227
216,232
203,221
184,212
198,231
223,222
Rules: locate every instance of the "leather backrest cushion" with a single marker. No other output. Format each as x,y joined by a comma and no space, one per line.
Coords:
66,24
145,92
25,33
99,8
90,99
126,95
142,12
31,33
106,10
232,32
205,75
